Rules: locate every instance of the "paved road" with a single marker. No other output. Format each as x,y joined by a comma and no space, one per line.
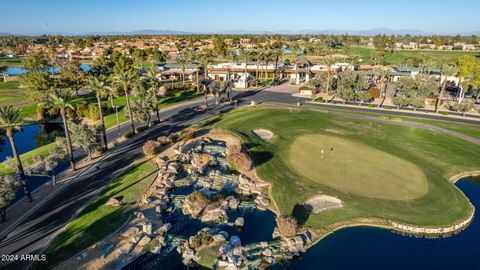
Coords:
32,235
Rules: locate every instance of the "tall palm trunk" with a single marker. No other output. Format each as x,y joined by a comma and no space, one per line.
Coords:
102,122
256,74
206,97
69,140
183,76
21,172
130,114
275,71
198,86
246,64
440,96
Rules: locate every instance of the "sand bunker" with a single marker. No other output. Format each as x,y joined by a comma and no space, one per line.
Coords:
263,133
321,203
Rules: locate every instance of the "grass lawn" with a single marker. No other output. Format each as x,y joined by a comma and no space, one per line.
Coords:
11,62
11,93
369,169
438,58
98,220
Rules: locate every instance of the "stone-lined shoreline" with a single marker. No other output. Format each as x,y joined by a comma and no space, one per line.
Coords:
412,229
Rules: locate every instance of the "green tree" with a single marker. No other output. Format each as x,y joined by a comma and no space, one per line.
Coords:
61,98
85,137
384,78
151,74
125,80
10,122
3,71
37,86
219,46
72,76
183,59
467,69
36,62
413,91
101,86
8,189
447,71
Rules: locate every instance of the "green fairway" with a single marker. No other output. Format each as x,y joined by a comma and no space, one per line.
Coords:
11,62
381,172
355,168
438,58
11,93
98,220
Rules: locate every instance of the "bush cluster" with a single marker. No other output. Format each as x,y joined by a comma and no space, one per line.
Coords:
151,148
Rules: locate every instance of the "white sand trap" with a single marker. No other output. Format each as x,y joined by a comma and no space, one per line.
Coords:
263,133
321,203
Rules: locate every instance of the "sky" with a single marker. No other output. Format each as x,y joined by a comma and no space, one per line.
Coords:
207,16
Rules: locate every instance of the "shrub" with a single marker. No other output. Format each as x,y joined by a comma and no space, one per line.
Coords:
187,134
286,225
154,123
82,110
374,92
239,158
128,135
53,112
94,113
444,113
151,148
141,128
202,239
397,119
383,117
387,108
371,106
173,138
152,245
163,140
41,112
71,114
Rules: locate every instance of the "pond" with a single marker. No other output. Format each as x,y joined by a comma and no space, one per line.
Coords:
14,71
370,248
29,138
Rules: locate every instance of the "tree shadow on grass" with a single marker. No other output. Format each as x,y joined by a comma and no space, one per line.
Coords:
261,157
300,213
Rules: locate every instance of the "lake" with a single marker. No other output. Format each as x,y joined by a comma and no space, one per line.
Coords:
370,248
14,71
31,137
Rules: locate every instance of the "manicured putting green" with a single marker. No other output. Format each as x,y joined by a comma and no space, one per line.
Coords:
353,167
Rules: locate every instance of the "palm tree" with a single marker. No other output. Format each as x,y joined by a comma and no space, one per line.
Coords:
182,59
246,56
9,121
447,71
268,57
61,98
329,61
101,87
125,79
151,74
384,76
276,54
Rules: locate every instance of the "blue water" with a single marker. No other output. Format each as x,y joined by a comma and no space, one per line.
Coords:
369,248
13,71
29,138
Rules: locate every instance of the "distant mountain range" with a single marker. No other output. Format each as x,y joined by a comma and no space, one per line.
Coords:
368,32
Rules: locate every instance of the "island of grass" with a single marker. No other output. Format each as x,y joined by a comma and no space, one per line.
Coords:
381,173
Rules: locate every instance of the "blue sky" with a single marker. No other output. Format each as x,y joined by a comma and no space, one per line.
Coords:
40,16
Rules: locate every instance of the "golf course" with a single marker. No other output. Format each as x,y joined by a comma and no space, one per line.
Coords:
379,172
